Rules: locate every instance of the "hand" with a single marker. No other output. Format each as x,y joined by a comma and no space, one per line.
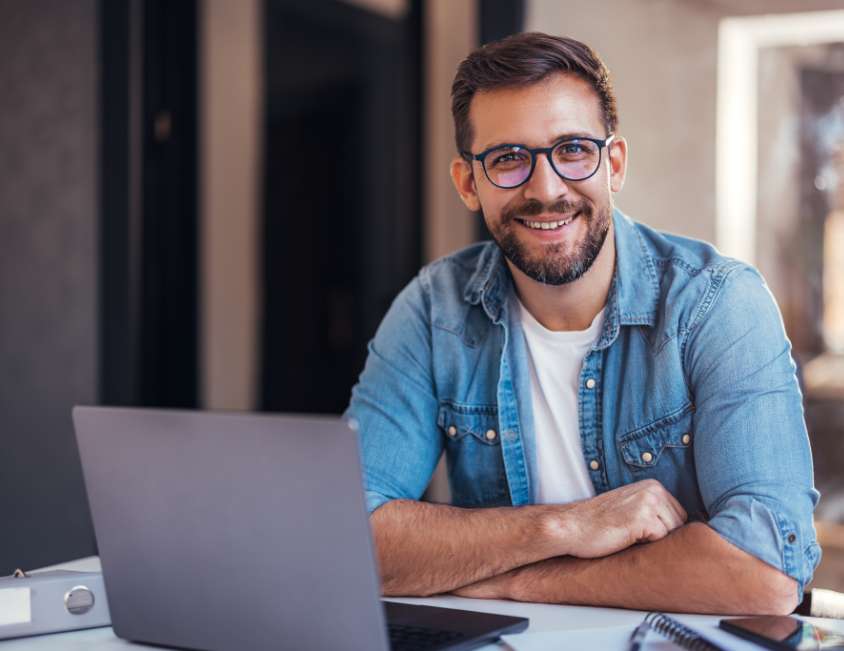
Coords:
606,524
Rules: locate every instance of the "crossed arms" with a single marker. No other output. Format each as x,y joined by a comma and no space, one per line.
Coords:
582,553
628,547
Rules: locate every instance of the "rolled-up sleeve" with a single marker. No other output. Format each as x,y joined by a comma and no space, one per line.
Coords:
752,453
393,405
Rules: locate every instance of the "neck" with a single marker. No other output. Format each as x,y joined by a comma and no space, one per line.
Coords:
572,306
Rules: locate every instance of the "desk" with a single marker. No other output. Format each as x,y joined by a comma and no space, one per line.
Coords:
543,617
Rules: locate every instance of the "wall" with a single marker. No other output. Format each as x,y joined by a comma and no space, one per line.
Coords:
48,267
450,34
231,101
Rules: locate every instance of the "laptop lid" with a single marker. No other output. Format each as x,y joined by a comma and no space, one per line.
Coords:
272,503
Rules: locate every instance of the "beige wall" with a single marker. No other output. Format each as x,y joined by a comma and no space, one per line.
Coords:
230,155
662,55
450,34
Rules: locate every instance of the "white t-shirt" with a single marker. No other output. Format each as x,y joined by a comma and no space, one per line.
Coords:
556,360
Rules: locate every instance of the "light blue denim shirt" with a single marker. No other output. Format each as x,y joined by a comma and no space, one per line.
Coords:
691,383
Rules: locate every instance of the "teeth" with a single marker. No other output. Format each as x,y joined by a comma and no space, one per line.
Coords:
547,226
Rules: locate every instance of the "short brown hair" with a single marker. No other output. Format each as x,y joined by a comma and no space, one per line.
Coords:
521,60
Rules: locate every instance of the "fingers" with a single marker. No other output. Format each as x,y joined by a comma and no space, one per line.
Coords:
665,498
660,522
672,512
662,512
638,512
657,529
670,519
677,507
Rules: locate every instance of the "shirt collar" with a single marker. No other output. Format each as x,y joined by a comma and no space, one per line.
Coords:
634,293
636,287
490,284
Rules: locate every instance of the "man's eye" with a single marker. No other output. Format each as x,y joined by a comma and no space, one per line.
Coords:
509,158
575,151
572,148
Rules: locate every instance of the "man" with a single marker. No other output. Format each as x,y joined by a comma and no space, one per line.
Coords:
622,402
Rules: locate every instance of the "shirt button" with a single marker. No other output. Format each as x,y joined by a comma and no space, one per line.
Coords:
452,431
594,464
490,435
590,383
792,538
647,457
687,439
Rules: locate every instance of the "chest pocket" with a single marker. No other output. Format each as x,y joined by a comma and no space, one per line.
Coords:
473,453
663,450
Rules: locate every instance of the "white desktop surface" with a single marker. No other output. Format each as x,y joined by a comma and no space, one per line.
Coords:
543,617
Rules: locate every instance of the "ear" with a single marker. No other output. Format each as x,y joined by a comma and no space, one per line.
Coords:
618,163
464,182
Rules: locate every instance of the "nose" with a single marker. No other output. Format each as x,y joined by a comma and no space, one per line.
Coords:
545,184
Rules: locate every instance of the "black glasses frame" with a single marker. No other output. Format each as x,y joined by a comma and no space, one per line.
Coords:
534,155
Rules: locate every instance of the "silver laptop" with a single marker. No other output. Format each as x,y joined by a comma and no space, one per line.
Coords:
228,531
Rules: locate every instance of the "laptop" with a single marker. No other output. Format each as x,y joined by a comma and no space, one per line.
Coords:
223,531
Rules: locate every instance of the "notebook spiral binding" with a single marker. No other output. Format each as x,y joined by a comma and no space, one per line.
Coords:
681,635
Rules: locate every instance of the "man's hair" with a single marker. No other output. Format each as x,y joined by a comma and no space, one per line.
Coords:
521,60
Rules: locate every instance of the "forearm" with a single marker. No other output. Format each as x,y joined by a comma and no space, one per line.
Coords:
692,570
426,549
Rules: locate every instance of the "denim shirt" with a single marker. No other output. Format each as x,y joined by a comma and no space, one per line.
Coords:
691,382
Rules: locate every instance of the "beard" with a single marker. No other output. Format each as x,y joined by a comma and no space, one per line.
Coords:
553,266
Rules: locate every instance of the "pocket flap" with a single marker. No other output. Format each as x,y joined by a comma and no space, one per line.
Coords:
456,420
643,447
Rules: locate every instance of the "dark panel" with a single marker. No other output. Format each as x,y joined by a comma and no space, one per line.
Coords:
342,228
500,18
311,268
149,227
168,341
48,297
121,51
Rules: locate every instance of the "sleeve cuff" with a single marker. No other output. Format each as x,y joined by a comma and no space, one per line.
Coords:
771,536
374,500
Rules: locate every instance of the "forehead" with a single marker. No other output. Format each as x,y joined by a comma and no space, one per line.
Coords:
537,114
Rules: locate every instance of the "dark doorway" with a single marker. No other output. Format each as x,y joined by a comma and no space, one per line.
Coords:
500,18
342,231
148,207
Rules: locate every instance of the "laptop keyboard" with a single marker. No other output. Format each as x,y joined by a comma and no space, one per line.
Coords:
416,638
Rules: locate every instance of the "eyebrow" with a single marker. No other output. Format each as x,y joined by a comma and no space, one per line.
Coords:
563,136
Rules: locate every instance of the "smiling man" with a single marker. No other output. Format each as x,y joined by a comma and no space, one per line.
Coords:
618,407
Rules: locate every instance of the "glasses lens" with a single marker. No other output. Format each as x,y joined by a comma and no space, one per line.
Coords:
507,167
576,159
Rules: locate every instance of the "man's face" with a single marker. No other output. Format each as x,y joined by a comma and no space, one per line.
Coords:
539,116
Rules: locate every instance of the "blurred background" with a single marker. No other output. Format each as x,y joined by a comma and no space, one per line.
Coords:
211,203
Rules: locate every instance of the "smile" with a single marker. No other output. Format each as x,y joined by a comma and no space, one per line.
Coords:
547,226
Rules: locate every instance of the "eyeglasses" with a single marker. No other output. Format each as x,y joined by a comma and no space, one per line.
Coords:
509,166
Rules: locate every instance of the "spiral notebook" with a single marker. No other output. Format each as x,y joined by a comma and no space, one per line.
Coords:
670,629
617,638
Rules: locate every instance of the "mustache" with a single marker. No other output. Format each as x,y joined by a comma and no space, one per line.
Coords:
534,207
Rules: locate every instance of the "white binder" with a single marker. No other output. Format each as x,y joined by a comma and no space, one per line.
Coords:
51,601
